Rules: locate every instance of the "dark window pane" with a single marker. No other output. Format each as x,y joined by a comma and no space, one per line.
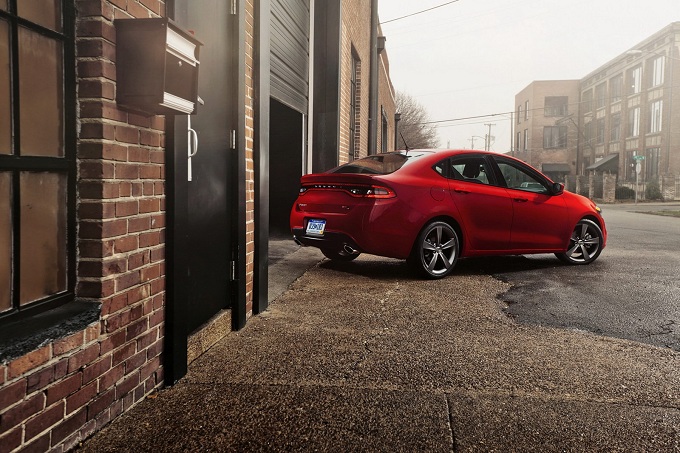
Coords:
5,91
43,235
5,242
43,12
41,95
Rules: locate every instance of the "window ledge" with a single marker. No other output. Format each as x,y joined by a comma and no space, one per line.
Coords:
23,336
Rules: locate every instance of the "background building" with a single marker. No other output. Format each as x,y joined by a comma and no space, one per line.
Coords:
628,113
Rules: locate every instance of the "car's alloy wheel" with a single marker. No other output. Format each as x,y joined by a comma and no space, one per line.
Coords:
436,250
585,243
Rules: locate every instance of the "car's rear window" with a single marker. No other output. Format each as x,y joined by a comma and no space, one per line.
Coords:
379,164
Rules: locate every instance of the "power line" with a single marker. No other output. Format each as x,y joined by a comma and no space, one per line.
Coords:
419,12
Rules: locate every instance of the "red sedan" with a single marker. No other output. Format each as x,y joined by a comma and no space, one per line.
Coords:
434,207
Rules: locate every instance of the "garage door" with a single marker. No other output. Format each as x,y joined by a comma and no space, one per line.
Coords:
290,52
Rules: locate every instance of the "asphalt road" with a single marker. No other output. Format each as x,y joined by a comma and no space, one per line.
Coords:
632,291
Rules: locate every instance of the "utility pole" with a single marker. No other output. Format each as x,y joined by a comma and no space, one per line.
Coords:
487,142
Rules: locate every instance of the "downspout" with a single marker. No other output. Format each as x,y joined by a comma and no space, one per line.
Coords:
373,86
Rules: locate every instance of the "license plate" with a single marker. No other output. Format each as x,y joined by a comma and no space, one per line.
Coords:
316,227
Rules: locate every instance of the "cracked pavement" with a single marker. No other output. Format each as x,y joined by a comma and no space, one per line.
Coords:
363,357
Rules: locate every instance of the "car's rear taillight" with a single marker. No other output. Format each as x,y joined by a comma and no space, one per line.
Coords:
359,191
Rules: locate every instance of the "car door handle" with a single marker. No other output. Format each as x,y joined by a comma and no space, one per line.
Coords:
521,200
461,191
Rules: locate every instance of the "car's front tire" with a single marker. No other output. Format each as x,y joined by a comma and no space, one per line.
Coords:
585,243
435,252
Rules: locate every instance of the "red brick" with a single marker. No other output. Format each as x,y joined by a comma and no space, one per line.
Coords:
127,134
69,426
137,10
157,286
92,130
30,361
81,398
113,305
141,121
155,350
126,244
97,210
135,362
64,388
150,138
100,404
123,353
157,157
150,239
150,172
127,171
138,224
90,169
137,188
134,296
95,88
96,28
12,393
136,312
83,358
153,5
149,205
137,260
97,68
95,249
67,344
39,379
109,379
113,342
96,289
94,48
127,208
150,368
150,273
127,385
95,8
42,422
156,318
147,339
98,189
96,369
128,280
21,412
137,328
11,440
137,154
114,267
108,151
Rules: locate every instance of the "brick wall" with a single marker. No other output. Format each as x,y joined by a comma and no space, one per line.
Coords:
356,36
55,396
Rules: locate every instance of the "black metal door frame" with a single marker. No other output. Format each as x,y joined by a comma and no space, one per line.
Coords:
177,248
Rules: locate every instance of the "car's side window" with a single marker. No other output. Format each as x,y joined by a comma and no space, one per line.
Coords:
518,178
469,169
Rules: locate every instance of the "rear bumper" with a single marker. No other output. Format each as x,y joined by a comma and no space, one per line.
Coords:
330,240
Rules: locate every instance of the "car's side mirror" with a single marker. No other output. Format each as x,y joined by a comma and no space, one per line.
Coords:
558,188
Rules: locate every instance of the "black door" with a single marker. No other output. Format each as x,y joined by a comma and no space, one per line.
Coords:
211,185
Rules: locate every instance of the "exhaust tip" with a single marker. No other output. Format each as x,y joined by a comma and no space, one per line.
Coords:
297,241
350,250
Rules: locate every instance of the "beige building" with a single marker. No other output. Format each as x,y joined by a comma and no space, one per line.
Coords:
546,132
628,112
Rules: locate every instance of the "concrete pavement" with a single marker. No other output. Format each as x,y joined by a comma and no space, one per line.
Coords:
363,357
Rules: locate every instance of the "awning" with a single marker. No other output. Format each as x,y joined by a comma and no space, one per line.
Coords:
556,168
607,163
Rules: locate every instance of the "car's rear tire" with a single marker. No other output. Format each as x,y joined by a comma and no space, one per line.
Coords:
335,255
585,243
435,252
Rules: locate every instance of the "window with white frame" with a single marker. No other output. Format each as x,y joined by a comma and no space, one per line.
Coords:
526,110
658,67
526,139
655,116
554,137
634,122
635,80
616,88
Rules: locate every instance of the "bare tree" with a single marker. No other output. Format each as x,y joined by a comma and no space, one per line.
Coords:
413,127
